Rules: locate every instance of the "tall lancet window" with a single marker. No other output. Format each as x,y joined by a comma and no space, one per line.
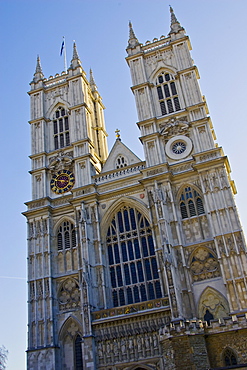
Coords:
167,94
132,261
61,128
191,203
66,238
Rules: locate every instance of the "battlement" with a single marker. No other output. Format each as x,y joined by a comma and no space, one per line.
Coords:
192,327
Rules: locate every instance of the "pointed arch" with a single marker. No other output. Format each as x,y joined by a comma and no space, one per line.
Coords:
71,326
69,333
229,357
213,301
166,94
133,267
117,204
60,221
58,102
190,200
162,67
65,234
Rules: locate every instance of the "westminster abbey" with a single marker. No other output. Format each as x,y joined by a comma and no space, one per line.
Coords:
133,264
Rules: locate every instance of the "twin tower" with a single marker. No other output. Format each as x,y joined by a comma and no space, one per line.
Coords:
133,264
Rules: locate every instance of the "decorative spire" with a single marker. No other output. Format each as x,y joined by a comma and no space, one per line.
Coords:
75,62
133,41
38,74
173,17
38,66
117,132
175,25
131,31
75,54
92,82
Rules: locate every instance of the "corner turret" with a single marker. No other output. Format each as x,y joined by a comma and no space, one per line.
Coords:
177,31
38,74
133,43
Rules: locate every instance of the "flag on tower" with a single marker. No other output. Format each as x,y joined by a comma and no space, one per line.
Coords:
62,47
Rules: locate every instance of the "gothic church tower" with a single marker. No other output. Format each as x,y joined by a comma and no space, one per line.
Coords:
133,264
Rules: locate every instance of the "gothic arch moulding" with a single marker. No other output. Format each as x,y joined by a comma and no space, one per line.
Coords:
229,357
123,201
188,185
71,327
59,222
162,67
70,331
213,301
59,102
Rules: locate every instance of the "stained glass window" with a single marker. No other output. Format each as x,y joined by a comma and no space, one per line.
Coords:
131,256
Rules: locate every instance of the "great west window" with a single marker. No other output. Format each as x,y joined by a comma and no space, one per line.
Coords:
61,129
167,94
132,261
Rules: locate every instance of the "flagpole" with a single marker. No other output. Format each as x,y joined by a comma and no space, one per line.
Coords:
64,56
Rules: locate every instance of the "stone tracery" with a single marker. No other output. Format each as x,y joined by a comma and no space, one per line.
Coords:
204,265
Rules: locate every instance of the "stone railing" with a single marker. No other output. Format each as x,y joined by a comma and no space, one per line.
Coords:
55,80
119,173
147,49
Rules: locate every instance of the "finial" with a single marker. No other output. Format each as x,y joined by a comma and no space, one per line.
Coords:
117,132
75,54
38,66
131,31
91,81
75,62
38,74
175,25
173,17
133,41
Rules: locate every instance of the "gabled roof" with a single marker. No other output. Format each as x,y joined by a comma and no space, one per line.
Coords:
119,149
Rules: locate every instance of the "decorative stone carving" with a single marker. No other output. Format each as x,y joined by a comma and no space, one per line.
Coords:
69,295
204,265
214,302
61,161
174,127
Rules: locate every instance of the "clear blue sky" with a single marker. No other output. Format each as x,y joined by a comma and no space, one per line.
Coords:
217,29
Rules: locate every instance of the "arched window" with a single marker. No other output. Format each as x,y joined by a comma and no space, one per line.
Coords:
61,129
121,162
66,237
229,357
78,353
132,261
167,93
190,203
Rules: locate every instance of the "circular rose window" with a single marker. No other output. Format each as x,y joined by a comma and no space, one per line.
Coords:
178,147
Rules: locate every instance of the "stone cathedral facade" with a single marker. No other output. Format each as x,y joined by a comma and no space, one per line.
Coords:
133,264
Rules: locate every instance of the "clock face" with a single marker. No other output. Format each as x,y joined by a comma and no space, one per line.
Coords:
62,181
